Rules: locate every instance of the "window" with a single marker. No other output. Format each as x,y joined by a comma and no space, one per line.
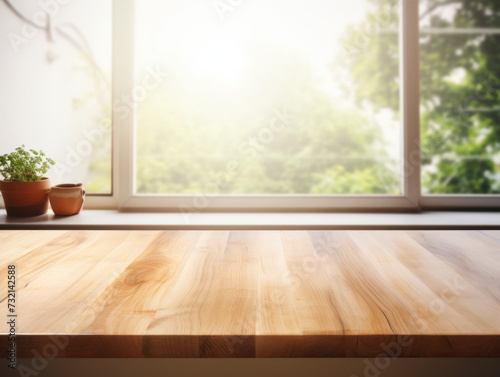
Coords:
257,106
460,115
56,86
260,99
282,105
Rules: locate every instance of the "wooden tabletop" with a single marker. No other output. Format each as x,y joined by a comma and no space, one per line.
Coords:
253,293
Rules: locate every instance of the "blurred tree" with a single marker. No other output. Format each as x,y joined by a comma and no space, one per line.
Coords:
459,82
192,134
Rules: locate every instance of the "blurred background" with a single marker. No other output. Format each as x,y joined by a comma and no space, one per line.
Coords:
261,97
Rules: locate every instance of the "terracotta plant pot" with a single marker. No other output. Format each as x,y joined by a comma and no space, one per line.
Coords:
23,199
67,199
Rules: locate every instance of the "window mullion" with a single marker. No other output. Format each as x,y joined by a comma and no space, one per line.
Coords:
123,87
410,100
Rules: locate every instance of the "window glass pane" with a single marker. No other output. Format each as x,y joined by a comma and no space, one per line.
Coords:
267,97
460,82
55,91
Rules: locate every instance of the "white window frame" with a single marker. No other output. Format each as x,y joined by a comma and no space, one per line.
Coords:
124,145
123,141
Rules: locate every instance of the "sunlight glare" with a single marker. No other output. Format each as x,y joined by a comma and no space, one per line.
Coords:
221,59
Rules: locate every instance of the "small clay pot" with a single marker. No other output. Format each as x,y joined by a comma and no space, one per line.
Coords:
23,199
67,199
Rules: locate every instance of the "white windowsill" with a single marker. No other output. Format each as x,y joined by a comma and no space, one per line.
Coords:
109,219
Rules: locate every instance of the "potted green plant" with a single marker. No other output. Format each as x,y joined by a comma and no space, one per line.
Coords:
25,190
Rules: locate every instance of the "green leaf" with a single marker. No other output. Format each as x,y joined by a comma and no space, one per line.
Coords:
25,166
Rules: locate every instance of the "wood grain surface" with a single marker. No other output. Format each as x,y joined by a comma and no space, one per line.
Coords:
253,293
